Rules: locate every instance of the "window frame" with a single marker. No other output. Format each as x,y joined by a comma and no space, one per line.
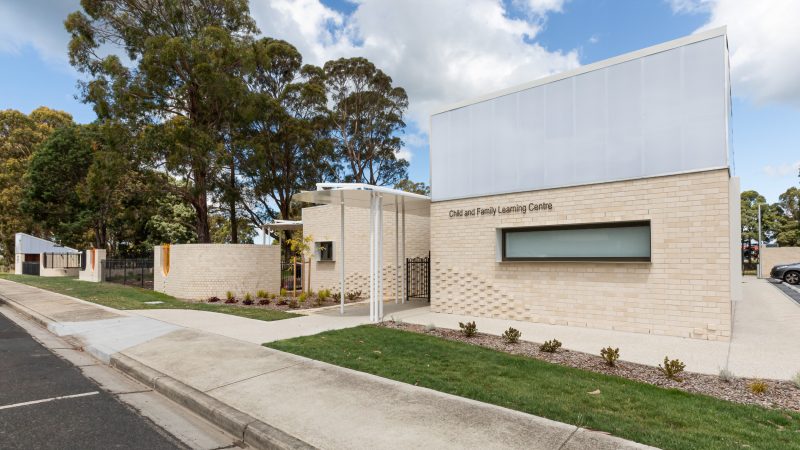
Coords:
320,245
579,226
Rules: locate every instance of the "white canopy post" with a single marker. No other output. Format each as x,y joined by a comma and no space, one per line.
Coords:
379,268
372,213
341,256
396,250
405,283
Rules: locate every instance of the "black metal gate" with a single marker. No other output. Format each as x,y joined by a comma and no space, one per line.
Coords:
129,271
418,278
30,268
292,277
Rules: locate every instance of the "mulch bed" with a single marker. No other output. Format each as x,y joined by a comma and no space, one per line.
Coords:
273,303
779,394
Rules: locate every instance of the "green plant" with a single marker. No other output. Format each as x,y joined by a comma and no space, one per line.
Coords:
468,329
213,299
512,335
726,375
611,355
796,380
232,300
247,296
282,302
262,294
228,295
272,296
672,368
757,386
302,297
293,304
353,295
264,301
323,294
550,346
283,292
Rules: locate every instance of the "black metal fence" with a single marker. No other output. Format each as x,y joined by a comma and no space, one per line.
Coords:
61,260
30,268
291,278
418,278
129,271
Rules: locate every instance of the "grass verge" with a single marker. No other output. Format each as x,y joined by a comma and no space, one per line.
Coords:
128,297
664,418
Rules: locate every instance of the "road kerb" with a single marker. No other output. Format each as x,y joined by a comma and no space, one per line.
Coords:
247,428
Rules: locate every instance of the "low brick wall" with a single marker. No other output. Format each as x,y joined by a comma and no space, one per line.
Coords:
94,266
772,256
199,271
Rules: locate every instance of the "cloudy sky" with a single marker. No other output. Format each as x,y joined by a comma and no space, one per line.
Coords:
443,51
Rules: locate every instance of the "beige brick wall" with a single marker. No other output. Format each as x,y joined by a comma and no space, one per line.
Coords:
323,224
772,256
199,271
684,291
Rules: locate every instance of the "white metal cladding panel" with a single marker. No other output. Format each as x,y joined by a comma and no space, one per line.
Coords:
27,244
655,115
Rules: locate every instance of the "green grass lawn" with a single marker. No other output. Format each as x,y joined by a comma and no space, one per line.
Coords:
665,418
128,297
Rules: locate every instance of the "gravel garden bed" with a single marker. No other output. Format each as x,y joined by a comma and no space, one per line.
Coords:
778,394
281,302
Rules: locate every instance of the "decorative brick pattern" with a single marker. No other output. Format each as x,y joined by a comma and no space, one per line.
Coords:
323,224
199,271
684,291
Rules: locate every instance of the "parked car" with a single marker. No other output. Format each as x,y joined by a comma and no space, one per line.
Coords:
789,273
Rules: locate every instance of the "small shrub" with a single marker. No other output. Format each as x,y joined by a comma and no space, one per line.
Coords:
353,295
430,327
247,296
796,380
283,292
282,302
231,300
293,304
272,296
550,346
323,295
468,329
264,301
302,297
511,335
229,295
672,368
611,355
726,375
757,386
213,299
262,294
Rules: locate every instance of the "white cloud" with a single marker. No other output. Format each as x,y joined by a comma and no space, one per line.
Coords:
404,154
38,24
782,170
764,42
440,51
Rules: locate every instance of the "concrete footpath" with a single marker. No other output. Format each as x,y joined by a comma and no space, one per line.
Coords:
278,400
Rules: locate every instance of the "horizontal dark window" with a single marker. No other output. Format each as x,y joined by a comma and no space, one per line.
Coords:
615,241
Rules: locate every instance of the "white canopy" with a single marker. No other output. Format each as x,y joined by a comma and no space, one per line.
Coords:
377,199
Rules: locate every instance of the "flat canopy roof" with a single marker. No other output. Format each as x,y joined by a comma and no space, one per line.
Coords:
358,195
280,225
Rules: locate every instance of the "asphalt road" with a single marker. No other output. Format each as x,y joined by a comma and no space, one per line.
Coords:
792,291
90,419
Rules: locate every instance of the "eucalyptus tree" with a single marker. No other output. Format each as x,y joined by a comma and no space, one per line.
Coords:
367,115
286,144
177,81
20,137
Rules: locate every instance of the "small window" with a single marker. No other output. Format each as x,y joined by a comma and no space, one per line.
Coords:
617,241
325,251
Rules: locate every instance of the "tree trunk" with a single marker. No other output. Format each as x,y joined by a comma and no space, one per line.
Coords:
232,207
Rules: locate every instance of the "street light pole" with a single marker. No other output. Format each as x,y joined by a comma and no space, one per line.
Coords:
759,240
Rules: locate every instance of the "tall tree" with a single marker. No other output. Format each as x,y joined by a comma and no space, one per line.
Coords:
20,136
788,212
415,188
749,210
367,119
182,86
286,144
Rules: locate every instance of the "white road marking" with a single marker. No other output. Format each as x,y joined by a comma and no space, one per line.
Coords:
45,400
